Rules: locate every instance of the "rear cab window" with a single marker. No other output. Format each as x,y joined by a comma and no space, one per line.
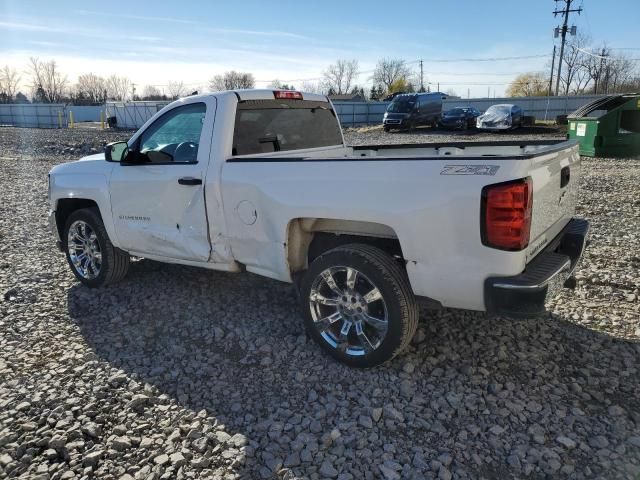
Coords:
266,126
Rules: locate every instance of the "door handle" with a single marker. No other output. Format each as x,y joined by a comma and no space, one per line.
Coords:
190,181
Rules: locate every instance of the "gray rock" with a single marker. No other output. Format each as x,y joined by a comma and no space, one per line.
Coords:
91,459
599,441
376,414
176,459
23,406
365,421
292,460
58,442
389,473
566,442
139,401
161,459
91,429
391,413
408,367
328,470
121,443
200,462
514,462
238,440
616,410
444,473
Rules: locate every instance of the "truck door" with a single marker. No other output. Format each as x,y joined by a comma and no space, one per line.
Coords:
157,192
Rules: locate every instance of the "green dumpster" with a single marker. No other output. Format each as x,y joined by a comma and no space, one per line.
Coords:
608,126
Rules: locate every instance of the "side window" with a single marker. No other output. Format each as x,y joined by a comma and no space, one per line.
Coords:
174,137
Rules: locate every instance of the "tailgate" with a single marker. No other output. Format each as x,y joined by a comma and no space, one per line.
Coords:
555,194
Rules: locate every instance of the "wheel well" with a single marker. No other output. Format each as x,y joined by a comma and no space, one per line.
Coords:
308,238
66,206
325,241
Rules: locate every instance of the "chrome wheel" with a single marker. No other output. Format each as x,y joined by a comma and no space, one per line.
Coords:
84,249
348,310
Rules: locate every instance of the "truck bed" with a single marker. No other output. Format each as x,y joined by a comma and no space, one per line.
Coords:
505,149
469,150
428,195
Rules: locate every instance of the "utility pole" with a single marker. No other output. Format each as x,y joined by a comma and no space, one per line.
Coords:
421,77
599,76
566,11
553,63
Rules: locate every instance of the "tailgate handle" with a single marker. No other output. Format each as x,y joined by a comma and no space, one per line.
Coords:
565,176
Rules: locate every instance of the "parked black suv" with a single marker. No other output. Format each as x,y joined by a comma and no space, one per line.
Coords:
409,110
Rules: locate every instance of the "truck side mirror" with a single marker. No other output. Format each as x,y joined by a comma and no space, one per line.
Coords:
116,151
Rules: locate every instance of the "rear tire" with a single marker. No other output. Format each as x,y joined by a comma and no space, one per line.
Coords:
92,257
367,317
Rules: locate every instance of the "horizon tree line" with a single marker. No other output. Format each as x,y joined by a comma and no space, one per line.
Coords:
602,71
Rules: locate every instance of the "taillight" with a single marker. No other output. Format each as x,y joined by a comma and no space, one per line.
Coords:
506,214
288,94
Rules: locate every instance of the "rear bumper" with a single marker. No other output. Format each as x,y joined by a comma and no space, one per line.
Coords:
453,124
524,295
503,126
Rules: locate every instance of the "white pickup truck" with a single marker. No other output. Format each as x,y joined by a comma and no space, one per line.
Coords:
261,180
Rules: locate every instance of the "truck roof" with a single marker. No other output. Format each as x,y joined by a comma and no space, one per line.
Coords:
260,94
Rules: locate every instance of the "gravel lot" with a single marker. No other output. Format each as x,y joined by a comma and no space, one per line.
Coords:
184,373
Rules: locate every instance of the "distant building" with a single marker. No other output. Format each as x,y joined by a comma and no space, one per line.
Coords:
347,97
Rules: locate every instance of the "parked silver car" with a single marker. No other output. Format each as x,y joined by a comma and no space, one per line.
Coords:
500,117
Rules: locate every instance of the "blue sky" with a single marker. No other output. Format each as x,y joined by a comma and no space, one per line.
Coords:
160,41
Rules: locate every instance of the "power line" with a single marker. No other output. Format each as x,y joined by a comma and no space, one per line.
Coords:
588,53
489,59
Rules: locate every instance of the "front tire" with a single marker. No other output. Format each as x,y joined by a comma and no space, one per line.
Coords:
91,255
358,305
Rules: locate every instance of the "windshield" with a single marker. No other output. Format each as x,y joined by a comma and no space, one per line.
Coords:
401,106
455,111
502,109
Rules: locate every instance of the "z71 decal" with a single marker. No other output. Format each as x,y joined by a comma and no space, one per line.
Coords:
469,170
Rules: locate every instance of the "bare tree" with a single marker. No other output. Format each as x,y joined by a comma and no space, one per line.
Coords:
574,72
152,92
533,84
594,65
9,81
312,87
340,76
48,83
118,88
618,71
232,80
389,70
91,87
175,90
